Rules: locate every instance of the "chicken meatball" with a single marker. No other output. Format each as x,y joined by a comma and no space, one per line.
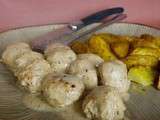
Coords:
60,59
114,74
26,59
93,58
62,90
30,78
54,47
103,103
13,51
86,71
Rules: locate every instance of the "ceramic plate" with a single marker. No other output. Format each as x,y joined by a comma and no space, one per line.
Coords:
15,105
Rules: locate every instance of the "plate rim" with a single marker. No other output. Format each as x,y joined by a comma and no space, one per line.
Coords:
63,24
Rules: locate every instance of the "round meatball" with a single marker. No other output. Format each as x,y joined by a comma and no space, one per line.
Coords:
114,74
54,47
103,103
30,78
86,71
13,51
60,91
26,59
93,58
60,60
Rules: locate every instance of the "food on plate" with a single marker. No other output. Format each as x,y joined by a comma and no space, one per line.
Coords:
112,38
151,38
86,71
103,103
56,46
32,75
108,37
27,58
98,46
62,90
28,66
114,74
59,58
120,49
13,51
142,75
155,52
147,36
93,58
62,78
79,47
139,42
144,60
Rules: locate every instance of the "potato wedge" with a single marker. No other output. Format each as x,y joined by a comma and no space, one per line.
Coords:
156,40
98,46
108,37
111,38
144,60
146,51
145,43
79,47
142,75
120,49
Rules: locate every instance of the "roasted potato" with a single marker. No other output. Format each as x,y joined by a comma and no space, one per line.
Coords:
108,37
98,46
79,47
139,42
111,38
147,36
120,49
146,51
156,40
144,60
142,75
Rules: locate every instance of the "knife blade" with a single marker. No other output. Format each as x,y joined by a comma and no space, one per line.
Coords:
39,44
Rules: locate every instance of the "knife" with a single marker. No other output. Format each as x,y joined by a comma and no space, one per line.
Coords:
39,44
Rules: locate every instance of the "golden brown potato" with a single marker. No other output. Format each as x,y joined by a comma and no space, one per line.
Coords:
147,36
142,75
144,60
120,49
79,47
111,38
108,37
156,40
146,51
98,46
145,43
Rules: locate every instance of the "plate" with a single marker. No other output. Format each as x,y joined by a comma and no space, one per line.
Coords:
15,105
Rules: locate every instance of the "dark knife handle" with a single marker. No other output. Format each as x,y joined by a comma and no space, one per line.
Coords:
97,17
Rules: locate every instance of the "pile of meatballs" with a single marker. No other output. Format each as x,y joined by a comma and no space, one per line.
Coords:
62,78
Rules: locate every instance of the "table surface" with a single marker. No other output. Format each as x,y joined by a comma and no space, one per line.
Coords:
19,13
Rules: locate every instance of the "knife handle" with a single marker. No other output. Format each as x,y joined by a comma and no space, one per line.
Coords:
97,17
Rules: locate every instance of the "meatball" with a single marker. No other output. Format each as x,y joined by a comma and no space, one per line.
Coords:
103,103
13,51
93,58
60,59
54,47
86,71
114,74
30,78
26,59
62,90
